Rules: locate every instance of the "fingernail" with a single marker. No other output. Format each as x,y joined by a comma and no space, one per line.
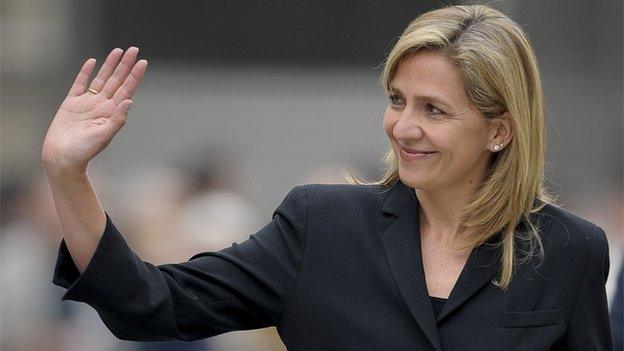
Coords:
128,106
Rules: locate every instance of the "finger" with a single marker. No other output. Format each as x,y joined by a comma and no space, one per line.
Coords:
121,72
82,79
112,126
107,69
121,112
127,89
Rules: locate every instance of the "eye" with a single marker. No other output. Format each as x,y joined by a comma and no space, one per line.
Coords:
395,99
432,110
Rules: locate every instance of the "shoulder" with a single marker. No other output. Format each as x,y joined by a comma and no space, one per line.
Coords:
326,201
572,246
338,194
554,219
567,234
345,192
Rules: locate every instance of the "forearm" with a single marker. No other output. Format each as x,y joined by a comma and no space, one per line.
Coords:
82,218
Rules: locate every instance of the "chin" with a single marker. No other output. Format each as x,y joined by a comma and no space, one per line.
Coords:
415,182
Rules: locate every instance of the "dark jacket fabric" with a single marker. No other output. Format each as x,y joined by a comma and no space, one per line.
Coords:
339,267
617,311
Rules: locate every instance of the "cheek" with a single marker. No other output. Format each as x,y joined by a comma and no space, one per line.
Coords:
457,146
389,121
466,146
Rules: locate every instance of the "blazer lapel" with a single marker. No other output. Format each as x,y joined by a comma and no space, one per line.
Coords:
402,245
479,270
403,250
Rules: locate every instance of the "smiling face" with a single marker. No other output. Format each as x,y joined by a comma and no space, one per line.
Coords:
429,111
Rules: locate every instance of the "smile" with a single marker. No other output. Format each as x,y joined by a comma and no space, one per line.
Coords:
412,156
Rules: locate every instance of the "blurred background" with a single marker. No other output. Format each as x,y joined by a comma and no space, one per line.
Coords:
242,101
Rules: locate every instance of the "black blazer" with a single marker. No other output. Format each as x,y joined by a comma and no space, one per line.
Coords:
339,268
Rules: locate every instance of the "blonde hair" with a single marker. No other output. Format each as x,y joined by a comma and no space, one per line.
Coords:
500,71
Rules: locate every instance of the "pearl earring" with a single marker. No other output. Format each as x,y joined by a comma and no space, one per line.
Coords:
497,147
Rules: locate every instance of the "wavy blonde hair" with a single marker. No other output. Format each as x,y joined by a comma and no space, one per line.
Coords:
501,74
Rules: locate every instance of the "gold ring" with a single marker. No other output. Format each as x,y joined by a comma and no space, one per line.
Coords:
93,91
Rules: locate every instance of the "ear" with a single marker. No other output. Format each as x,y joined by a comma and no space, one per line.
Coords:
500,131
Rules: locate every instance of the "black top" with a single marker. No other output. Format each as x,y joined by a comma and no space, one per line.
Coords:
339,267
437,303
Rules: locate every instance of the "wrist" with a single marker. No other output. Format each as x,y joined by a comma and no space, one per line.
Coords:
61,169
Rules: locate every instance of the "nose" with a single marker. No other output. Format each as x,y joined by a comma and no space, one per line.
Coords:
408,127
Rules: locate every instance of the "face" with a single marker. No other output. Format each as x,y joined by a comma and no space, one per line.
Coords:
441,140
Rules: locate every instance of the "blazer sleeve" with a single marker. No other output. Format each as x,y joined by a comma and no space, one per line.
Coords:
589,326
244,286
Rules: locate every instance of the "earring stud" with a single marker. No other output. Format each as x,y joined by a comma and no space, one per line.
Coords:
496,147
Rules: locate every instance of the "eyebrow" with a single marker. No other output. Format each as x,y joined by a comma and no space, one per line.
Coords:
431,98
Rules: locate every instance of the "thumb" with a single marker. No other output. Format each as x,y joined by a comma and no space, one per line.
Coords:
121,111
124,106
119,116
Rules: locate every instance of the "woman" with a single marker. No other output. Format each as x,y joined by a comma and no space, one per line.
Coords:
457,247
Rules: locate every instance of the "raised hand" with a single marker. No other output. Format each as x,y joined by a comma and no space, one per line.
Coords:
93,113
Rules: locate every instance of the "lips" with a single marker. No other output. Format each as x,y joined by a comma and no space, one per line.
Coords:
416,151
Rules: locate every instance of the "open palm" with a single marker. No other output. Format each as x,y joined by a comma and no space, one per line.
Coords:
92,114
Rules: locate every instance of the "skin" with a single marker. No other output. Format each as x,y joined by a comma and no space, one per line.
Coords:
84,125
86,122
430,110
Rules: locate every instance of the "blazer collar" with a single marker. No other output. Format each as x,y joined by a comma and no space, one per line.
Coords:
402,246
399,198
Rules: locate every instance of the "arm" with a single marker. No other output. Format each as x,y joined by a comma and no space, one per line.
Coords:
589,327
85,123
244,286
80,214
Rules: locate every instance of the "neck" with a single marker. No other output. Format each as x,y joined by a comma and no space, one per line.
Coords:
440,211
